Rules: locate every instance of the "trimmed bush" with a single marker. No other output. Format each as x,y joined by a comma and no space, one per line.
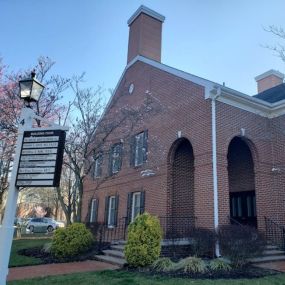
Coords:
219,264
203,242
71,241
143,245
239,243
192,265
163,264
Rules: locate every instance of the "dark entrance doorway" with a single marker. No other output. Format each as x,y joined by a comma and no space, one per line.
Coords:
241,183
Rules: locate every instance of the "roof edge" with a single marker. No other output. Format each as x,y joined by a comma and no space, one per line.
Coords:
147,11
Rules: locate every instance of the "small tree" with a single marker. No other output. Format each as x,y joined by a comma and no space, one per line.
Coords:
239,243
144,241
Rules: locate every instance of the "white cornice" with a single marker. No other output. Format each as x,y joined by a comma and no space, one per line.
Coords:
227,95
147,11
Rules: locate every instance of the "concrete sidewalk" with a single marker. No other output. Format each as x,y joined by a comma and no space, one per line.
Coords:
27,272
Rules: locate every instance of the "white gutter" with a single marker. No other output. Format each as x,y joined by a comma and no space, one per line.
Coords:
214,165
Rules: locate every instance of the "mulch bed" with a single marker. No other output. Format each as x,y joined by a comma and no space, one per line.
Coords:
248,272
48,258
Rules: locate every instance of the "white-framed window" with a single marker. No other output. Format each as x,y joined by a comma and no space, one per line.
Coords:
98,165
93,210
139,144
139,148
136,205
111,211
115,158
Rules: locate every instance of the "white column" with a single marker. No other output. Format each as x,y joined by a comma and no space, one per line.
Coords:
215,177
7,228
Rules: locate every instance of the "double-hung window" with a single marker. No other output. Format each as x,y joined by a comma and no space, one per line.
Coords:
115,161
139,149
135,205
98,161
93,210
111,210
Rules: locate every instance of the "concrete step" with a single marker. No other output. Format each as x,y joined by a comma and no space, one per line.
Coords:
114,253
273,252
119,247
267,258
120,242
270,246
110,259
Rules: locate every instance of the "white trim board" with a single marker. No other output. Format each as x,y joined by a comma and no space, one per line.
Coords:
228,96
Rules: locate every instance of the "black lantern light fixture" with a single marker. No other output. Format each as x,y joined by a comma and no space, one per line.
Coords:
31,89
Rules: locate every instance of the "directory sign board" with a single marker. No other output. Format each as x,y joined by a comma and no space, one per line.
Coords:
41,159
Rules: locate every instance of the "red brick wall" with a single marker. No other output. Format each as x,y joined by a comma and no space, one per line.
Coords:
185,109
268,82
145,38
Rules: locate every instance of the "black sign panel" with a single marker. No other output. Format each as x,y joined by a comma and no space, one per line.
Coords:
41,159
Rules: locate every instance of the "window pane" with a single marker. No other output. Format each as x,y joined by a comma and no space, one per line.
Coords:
239,207
116,158
93,211
139,149
98,166
234,210
111,216
136,204
249,206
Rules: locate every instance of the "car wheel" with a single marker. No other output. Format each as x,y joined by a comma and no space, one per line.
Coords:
31,228
49,229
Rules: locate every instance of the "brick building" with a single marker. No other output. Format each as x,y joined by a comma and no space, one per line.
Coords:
211,153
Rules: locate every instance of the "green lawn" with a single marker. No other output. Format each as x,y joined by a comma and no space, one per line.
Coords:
20,260
124,278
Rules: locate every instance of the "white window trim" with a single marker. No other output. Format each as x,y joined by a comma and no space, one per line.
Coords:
133,203
115,156
109,211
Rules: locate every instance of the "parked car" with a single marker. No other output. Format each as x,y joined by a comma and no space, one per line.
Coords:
60,224
42,224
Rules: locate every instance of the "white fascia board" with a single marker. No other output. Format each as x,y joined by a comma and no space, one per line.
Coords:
147,11
228,96
207,84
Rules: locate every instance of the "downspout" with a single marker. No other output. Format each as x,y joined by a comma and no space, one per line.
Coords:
214,165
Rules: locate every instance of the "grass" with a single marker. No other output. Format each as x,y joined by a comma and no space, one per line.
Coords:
125,278
20,260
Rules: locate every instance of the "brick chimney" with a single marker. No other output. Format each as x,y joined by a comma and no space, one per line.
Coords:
268,79
145,34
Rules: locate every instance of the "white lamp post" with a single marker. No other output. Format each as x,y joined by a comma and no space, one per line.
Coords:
30,90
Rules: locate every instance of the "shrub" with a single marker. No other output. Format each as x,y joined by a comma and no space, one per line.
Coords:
71,241
143,244
219,264
239,243
203,242
191,265
163,264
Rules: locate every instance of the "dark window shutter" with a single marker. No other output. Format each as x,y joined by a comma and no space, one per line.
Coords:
142,208
132,151
129,207
120,156
145,145
89,211
110,166
116,210
106,209
100,158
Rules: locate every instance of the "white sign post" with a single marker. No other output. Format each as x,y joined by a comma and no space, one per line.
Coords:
7,229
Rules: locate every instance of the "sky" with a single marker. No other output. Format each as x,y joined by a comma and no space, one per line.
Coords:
220,40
